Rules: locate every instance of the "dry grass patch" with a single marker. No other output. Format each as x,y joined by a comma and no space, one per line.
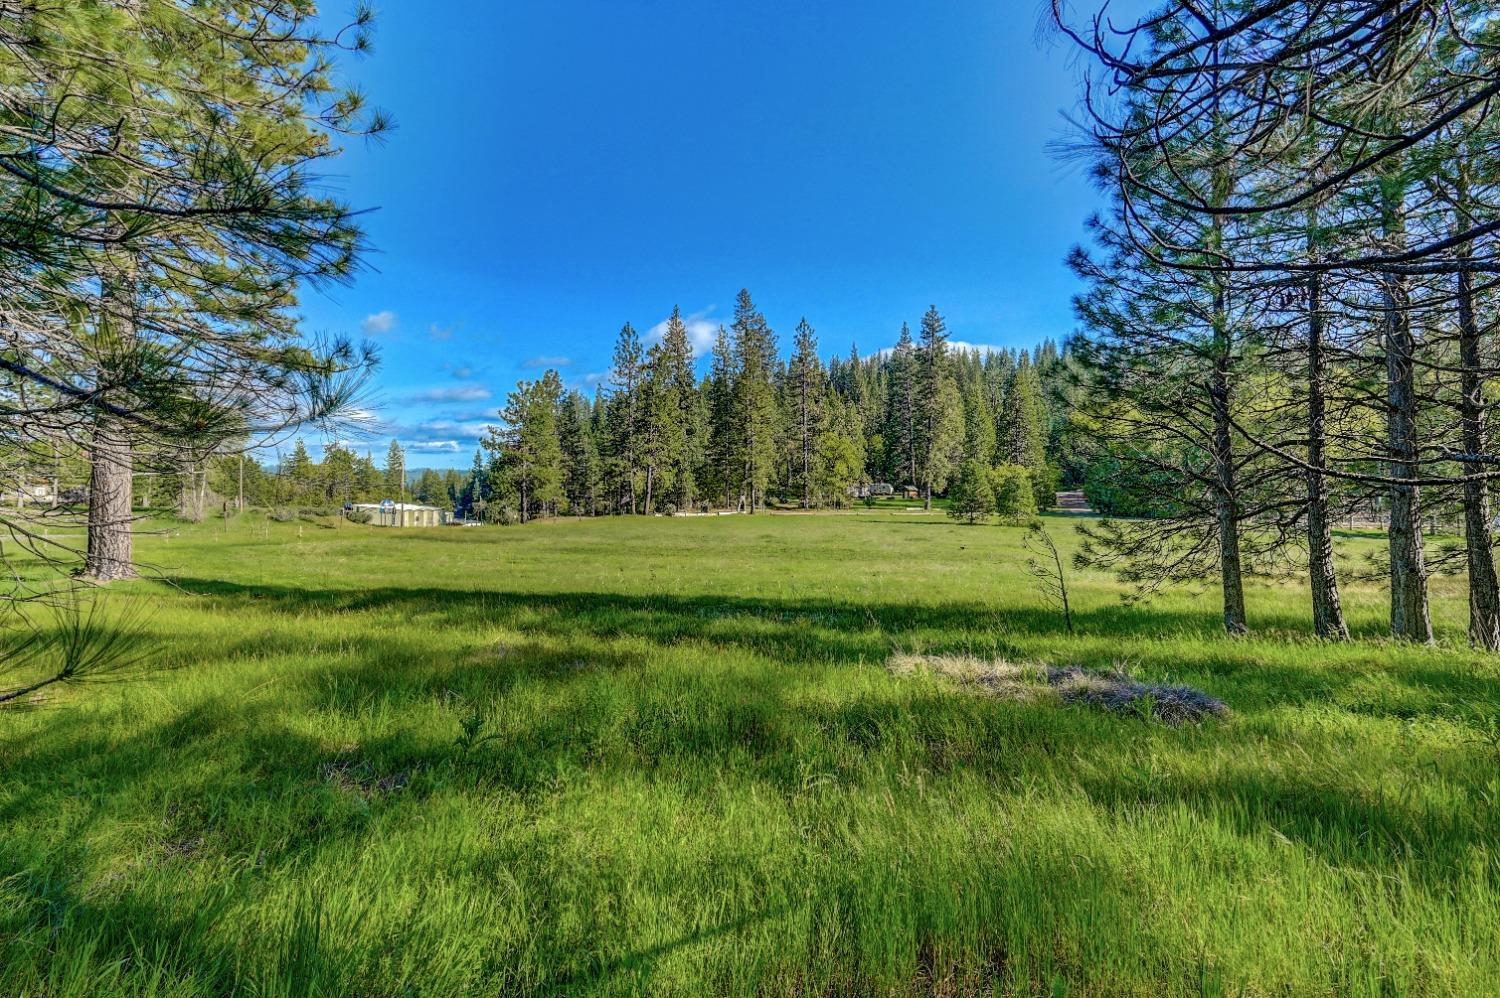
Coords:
1112,690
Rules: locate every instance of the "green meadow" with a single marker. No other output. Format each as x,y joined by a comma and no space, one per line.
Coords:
666,756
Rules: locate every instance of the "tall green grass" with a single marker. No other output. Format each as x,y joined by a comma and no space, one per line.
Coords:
688,772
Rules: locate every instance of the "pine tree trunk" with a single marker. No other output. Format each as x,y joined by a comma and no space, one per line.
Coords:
1226,503
806,453
1409,611
186,493
1226,492
109,545
650,486
1484,588
1328,611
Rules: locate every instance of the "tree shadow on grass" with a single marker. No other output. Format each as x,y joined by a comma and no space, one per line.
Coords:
1375,828
686,614
833,631
602,719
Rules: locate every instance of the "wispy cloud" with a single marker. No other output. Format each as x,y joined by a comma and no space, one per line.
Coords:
454,393
961,346
379,322
701,331
440,333
467,428
547,362
433,446
983,348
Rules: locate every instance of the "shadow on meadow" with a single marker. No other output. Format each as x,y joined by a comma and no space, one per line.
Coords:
574,698
829,631
674,616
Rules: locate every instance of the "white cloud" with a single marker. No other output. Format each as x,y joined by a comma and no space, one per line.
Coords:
457,393
453,428
981,347
961,346
440,332
547,362
433,446
379,322
700,329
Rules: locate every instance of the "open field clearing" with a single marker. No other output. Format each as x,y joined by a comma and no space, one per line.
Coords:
688,770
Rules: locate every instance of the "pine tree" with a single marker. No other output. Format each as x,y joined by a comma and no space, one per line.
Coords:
806,384
839,456
337,474
580,455
367,479
529,448
1025,424
623,421
477,492
979,425
972,497
1011,485
300,474
663,435
158,217
683,406
429,487
939,429
755,399
901,436
722,463
395,472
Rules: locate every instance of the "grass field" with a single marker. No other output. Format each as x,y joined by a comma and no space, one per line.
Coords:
691,773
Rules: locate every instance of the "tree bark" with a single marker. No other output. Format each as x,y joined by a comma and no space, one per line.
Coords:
110,546
1327,608
1226,492
1226,502
806,448
1410,618
1484,588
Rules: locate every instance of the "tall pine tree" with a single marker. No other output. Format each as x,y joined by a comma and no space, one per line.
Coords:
755,399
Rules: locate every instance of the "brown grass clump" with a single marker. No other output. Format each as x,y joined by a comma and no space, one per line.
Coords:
1031,682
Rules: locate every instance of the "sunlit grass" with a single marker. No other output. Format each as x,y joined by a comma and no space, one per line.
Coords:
692,773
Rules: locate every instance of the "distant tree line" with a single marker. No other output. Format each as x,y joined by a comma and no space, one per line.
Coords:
760,430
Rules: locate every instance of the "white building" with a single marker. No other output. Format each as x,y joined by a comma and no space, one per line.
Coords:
404,514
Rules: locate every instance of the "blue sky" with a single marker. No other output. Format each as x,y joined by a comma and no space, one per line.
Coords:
561,167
